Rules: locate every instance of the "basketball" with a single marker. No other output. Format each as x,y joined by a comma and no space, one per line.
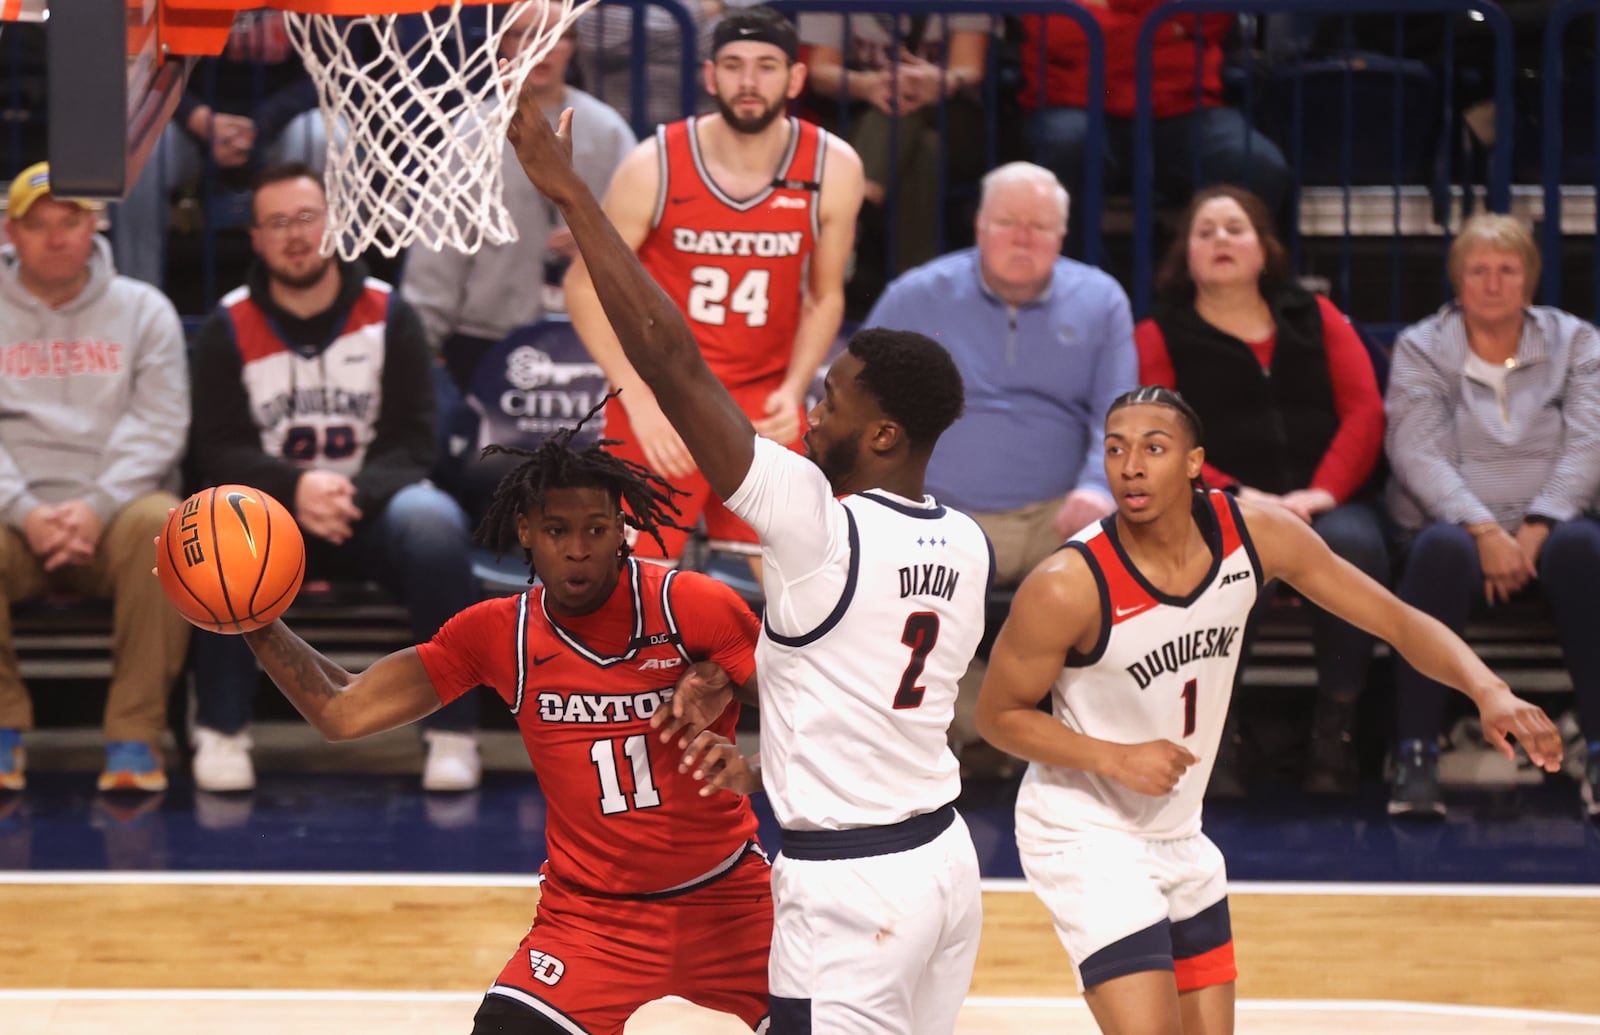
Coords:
231,559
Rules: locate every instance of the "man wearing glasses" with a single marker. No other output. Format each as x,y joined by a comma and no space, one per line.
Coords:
313,383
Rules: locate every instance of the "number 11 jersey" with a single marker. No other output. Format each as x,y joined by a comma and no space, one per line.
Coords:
621,819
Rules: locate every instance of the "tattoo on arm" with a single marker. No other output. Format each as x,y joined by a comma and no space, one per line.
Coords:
298,669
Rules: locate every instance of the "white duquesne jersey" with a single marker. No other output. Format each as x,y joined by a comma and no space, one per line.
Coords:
875,606
1163,669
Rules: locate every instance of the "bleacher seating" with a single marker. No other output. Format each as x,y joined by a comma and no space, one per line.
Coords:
541,374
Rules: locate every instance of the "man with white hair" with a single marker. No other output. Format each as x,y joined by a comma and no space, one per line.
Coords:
1044,344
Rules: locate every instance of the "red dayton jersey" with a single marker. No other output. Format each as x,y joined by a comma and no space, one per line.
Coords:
622,820
737,268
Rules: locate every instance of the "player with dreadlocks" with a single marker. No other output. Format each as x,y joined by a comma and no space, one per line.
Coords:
557,465
1135,629
650,888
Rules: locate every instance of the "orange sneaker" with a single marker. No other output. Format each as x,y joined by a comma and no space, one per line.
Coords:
132,765
13,761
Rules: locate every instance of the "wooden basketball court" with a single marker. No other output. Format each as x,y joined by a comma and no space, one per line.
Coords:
343,954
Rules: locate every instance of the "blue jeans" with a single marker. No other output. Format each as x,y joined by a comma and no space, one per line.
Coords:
1355,532
418,548
1206,146
139,223
1443,578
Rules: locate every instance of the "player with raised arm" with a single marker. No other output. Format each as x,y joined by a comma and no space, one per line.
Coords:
650,889
746,218
875,605
1135,629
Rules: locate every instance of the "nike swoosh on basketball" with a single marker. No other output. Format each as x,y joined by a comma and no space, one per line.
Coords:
1123,612
680,201
234,499
537,661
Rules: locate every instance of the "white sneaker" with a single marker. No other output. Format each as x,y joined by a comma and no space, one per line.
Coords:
453,763
222,761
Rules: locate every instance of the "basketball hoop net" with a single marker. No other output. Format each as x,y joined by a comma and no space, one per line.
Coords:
417,115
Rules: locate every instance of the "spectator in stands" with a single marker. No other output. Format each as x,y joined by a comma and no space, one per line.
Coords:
1044,344
892,80
312,382
253,105
94,403
1198,139
470,302
1292,414
605,59
1494,441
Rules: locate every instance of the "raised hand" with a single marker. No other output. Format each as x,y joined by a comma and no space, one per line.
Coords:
545,153
1152,768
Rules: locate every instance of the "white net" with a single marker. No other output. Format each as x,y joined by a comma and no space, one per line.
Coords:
416,108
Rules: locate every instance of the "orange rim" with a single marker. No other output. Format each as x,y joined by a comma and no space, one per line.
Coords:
347,8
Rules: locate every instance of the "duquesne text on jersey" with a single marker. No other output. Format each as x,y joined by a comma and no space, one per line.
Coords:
315,399
928,580
765,244
597,708
1174,654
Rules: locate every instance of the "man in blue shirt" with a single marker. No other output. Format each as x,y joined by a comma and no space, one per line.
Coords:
1044,344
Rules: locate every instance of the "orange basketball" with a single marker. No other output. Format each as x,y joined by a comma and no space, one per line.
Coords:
231,559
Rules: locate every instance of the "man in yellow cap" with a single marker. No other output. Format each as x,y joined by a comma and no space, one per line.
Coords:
94,410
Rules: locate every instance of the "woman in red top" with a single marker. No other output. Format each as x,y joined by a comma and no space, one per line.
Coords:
1292,413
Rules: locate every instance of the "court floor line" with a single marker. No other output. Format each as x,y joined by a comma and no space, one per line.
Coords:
1353,1006
511,880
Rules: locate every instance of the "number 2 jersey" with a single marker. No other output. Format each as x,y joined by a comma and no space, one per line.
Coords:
736,267
875,606
621,819
1163,669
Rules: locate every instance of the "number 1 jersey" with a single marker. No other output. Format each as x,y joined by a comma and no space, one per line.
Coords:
621,819
736,266
1163,669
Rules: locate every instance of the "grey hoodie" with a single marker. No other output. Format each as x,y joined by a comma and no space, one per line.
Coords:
94,396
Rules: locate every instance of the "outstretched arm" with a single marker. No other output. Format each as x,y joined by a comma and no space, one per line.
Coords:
1056,609
822,309
630,205
1291,551
654,335
394,691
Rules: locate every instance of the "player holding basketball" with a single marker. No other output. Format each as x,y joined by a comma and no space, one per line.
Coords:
1135,629
746,219
875,605
650,889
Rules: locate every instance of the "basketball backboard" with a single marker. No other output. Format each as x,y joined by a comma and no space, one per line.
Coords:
111,93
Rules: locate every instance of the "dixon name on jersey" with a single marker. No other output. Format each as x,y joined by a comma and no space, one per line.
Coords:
1174,654
761,243
931,580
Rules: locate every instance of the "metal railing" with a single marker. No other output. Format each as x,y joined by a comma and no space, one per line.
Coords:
1093,190
1499,177
1553,124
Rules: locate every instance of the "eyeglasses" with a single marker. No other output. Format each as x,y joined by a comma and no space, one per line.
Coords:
301,220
